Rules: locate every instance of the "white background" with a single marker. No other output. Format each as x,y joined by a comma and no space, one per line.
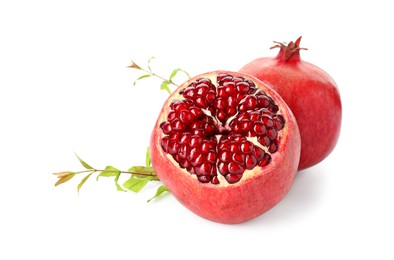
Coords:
64,87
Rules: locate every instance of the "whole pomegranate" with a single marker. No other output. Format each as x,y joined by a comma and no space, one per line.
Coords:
311,94
226,146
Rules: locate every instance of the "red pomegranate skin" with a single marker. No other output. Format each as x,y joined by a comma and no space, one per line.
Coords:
244,200
311,94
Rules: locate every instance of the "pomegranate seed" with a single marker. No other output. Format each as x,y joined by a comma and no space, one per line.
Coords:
254,116
189,93
175,137
258,152
247,147
201,102
273,108
204,179
279,122
242,107
272,133
225,156
171,116
196,112
209,129
185,138
265,161
231,111
263,101
237,137
259,128
194,152
273,147
234,148
206,147
220,76
251,102
243,117
203,169
238,79
177,125
221,115
184,151
211,157
223,168
233,178
184,164
239,158
211,96
202,89
220,103
245,126
264,140
226,78
232,101
250,161
221,92
235,168
241,96
198,160
185,116
229,88
251,83
166,127
243,87
198,132
267,120
164,143
195,141
215,180
173,147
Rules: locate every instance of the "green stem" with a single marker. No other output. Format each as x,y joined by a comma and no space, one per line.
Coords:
160,77
149,173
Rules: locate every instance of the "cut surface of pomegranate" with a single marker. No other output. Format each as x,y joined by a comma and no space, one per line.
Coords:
226,146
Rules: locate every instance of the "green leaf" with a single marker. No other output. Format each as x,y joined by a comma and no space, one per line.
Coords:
149,61
135,184
118,187
62,174
141,169
64,178
83,181
176,71
160,191
148,161
109,171
165,86
142,77
84,164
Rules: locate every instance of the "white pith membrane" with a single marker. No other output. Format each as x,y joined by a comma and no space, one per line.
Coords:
247,173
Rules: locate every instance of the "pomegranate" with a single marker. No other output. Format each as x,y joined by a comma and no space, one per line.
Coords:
311,94
226,146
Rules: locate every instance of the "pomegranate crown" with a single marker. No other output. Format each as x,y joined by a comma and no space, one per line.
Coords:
287,51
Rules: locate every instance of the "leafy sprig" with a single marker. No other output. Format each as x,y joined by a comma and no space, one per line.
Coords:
139,176
148,72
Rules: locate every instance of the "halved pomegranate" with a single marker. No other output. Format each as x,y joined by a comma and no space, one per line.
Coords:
226,146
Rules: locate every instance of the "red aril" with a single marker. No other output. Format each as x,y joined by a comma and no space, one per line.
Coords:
311,94
226,146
